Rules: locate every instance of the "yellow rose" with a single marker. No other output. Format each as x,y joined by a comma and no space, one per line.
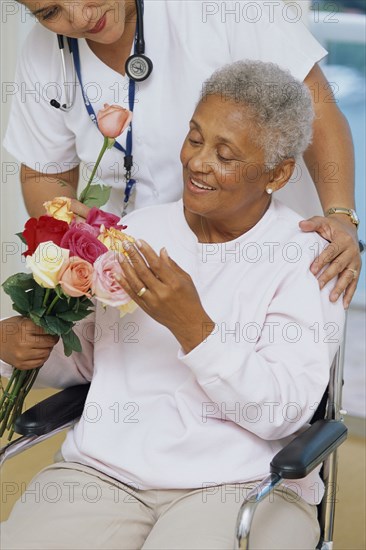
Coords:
113,238
127,308
60,209
46,263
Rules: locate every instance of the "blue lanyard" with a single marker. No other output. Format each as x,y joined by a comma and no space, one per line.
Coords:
128,159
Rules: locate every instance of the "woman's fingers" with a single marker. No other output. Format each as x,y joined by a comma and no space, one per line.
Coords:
329,254
137,274
160,265
45,342
348,295
80,209
347,281
341,256
319,224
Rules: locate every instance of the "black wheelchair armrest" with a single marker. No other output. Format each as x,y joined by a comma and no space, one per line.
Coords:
308,449
54,412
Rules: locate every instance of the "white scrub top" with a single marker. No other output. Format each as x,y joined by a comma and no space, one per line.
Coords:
186,41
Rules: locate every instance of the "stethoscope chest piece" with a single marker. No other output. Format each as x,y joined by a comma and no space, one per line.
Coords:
138,67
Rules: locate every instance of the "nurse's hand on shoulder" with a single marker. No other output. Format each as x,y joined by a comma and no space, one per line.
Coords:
24,345
166,293
342,254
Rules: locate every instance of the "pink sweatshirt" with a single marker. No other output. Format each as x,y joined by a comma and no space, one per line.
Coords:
157,418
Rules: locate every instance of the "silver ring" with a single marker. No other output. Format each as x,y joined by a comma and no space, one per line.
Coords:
354,271
142,291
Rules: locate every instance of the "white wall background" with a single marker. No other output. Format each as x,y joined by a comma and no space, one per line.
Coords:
15,24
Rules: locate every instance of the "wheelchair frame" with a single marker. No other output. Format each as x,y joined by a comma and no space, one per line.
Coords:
318,444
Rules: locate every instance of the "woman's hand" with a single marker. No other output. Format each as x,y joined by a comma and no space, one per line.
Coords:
166,293
25,345
342,254
80,210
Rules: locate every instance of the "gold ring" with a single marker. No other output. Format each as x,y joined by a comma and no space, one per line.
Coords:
142,291
354,271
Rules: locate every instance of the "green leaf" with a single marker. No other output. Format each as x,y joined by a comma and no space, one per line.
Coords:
24,281
72,316
84,313
20,235
20,298
38,312
23,312
37,297
18,287
71,343
56,325
97,195
35,318
61,306
85,303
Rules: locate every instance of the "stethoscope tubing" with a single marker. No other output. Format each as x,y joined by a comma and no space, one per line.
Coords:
138,55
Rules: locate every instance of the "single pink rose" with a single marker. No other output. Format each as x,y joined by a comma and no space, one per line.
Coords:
82,243
97,217
113,120
104,286
75,277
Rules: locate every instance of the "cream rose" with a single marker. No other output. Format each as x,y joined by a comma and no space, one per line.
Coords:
60,209
46,263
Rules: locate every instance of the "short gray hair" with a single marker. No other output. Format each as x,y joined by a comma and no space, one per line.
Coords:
280,106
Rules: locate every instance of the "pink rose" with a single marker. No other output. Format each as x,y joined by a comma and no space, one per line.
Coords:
83,243
83,226
113,120
97,217
75,277
106,289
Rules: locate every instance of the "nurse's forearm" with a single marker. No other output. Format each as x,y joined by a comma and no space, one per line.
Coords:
38,188
330,158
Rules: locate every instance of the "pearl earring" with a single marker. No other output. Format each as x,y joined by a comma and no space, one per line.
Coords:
269,191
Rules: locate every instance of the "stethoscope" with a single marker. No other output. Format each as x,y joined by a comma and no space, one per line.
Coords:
138,67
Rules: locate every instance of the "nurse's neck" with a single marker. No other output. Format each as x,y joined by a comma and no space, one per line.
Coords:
115,55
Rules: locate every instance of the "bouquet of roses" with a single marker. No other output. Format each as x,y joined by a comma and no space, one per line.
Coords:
70,263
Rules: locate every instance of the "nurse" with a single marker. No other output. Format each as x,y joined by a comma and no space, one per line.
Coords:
186,41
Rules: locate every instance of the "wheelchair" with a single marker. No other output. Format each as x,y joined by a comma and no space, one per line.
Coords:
318,444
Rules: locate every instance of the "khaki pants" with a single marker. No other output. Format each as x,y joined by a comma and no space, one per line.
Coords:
71,506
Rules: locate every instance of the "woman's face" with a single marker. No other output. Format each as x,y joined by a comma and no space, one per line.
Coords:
101,21
223,171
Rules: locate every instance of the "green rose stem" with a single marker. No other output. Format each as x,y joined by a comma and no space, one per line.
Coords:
45,298
10,397
19,385
17,409
50,307
108,144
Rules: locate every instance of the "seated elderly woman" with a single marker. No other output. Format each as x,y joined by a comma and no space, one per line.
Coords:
223,361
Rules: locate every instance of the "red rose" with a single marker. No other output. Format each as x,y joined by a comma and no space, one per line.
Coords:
97,217
82,243
41,230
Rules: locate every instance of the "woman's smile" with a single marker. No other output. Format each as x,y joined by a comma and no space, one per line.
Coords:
197,186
